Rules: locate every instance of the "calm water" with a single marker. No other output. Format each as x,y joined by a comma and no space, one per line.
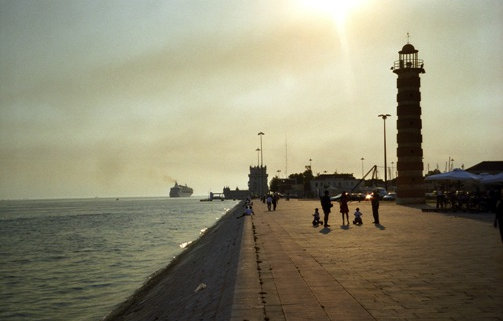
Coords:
77,259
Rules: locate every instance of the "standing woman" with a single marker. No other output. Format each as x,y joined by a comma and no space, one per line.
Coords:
344,207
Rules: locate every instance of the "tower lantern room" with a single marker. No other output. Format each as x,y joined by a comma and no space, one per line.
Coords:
408,58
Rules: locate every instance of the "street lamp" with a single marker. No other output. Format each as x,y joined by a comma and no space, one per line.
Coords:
261,155
278,171
362,159
258,156
384,116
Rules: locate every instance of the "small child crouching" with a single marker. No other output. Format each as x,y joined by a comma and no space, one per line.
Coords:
358,217
316,220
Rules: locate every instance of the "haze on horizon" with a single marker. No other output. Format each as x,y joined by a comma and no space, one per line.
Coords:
113,98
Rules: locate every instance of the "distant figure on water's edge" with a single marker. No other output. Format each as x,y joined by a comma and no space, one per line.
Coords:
247,212
326,205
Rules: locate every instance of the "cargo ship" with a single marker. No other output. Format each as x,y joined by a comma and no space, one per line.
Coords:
180,191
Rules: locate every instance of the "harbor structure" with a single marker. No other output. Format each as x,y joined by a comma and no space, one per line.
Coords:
410,183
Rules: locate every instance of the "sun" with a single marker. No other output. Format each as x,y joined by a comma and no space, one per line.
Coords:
337,10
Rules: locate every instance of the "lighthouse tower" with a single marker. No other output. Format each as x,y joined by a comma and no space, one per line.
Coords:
410,185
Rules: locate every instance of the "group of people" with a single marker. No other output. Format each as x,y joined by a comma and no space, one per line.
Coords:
271,200
326,205
248,208
466,201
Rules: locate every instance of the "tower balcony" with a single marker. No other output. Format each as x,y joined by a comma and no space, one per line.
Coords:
406,65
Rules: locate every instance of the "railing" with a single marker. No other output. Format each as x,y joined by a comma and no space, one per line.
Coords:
401,64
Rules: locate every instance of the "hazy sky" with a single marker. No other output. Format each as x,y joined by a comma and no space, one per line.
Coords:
119,98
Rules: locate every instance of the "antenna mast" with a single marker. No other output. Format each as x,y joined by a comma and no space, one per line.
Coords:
286,157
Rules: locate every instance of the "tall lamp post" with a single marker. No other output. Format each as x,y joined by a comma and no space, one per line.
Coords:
362,159
258,156
261,155
384,116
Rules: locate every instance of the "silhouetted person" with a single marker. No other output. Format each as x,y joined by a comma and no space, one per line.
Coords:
358,217
316,219
375,207
247,212
269,202
498,219
275,199
344,207
440,199
326,205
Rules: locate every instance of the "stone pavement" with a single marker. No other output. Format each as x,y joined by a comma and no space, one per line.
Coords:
414,266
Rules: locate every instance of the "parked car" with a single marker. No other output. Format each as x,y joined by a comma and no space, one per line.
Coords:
380,191
389,197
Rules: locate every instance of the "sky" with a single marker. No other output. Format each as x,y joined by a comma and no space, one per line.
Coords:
121,98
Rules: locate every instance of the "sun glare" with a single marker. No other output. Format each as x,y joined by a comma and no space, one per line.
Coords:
337,10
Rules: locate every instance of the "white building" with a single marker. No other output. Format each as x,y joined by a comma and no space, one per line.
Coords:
333,183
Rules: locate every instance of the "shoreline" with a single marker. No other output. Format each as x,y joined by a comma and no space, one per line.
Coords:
199,281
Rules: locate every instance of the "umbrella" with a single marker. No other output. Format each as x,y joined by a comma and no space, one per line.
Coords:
336,197
455,175
492,179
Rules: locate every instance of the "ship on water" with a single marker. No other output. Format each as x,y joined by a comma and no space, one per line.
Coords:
180,191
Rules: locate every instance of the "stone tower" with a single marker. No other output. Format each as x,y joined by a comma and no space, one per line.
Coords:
410,185
257,181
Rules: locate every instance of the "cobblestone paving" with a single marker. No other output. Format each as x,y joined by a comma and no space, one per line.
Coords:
414,266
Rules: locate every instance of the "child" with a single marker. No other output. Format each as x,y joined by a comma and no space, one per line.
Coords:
358,217
316,220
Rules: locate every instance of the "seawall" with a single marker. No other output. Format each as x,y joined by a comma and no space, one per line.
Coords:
198,283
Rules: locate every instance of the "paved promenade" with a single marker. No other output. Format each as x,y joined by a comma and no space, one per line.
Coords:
414,266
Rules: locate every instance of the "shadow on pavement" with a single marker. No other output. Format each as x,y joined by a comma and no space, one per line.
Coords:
325,230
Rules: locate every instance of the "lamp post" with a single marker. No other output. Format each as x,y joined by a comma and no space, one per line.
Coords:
362,159
261,155
384,116
310,164
258,156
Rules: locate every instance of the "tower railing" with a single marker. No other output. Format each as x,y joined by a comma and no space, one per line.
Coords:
408,64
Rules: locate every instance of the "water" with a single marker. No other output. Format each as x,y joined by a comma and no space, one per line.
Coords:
77,259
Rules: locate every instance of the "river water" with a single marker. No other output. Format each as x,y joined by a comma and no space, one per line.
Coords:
76,259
